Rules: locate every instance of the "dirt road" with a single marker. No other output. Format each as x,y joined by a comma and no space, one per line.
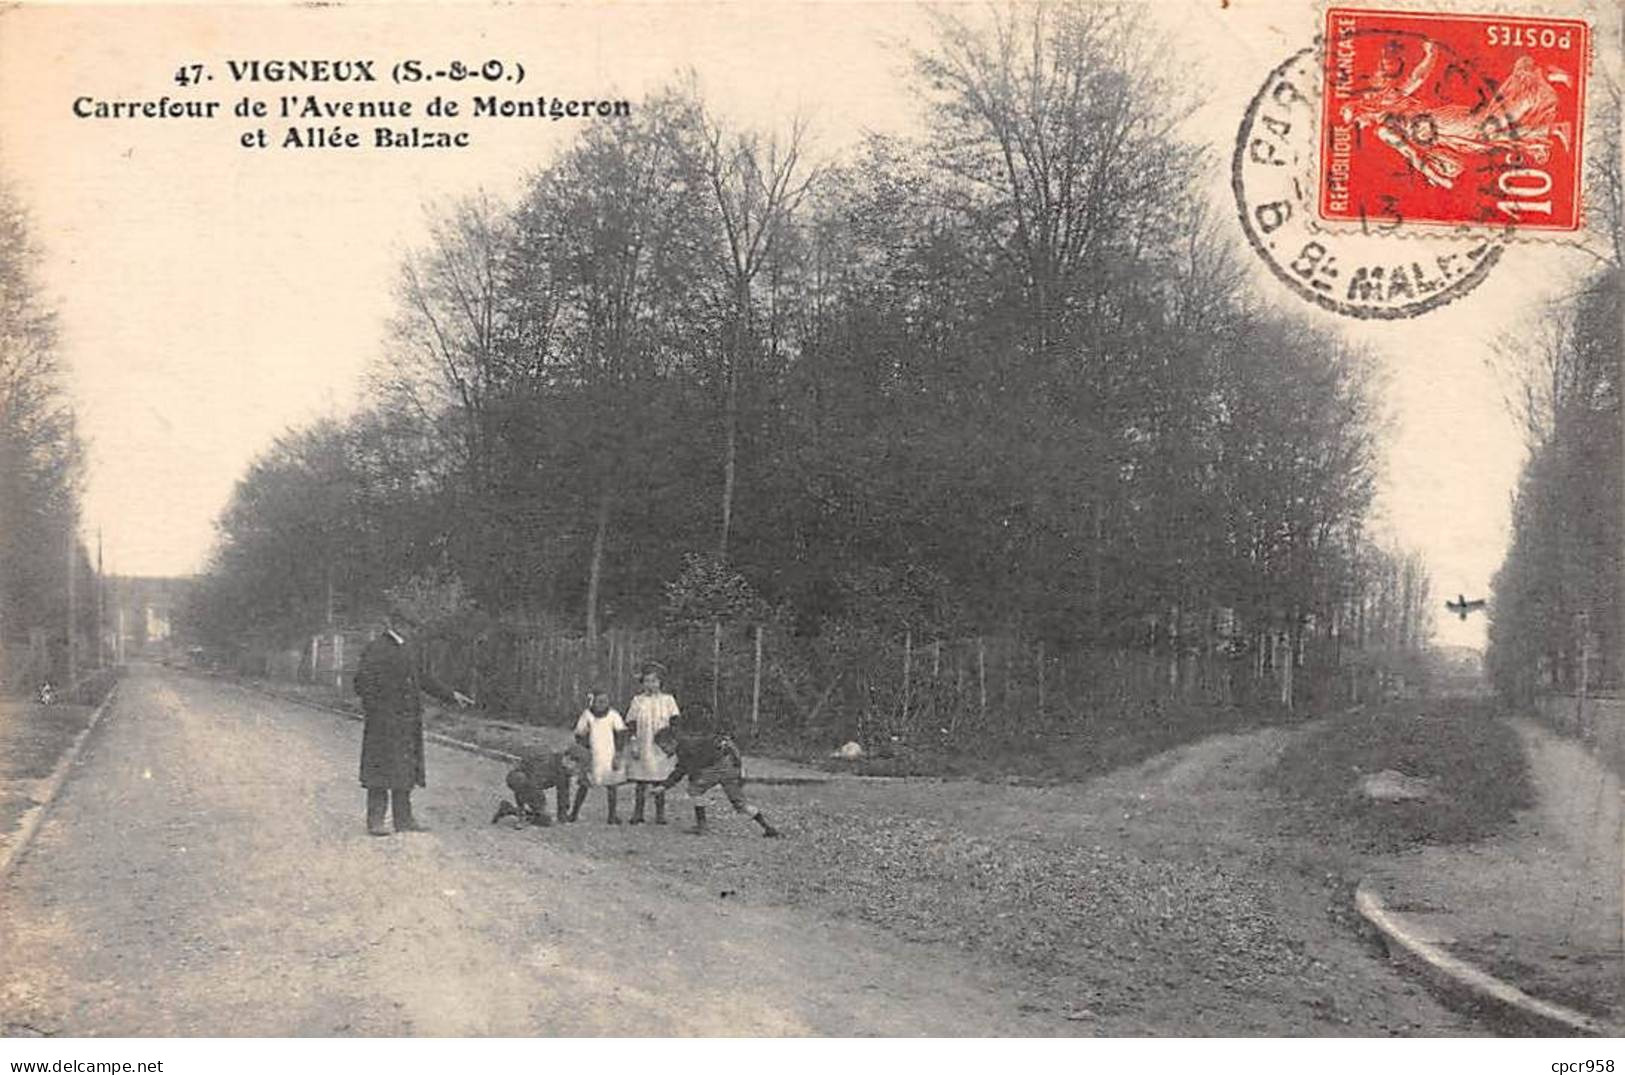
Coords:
1540,906
206,873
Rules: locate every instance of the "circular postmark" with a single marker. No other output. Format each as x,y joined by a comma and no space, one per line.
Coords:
1376,273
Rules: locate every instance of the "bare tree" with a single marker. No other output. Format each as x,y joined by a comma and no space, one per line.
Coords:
41,456
1058,147
625,207
452,333
757,184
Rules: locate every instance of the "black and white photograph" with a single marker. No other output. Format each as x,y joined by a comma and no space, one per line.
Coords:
811,519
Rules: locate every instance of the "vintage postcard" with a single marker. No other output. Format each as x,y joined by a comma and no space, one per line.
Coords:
806,519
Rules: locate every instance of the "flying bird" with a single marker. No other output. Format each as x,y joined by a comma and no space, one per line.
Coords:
1461,606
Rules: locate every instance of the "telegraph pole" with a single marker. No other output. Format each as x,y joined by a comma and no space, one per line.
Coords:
101,605
73,671
1582,622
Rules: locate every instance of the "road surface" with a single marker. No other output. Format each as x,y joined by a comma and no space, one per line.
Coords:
206,872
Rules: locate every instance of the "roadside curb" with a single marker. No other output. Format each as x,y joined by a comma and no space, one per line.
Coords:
53,786
1461,976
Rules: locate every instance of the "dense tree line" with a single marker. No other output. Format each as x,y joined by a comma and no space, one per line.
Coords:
41,469
1556,602
1002,377
1556,605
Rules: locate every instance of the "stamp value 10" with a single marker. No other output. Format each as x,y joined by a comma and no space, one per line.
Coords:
1451,119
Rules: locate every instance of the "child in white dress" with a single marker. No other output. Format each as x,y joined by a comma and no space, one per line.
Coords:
650,713
602,732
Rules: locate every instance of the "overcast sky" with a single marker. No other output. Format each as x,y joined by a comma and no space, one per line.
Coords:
212,296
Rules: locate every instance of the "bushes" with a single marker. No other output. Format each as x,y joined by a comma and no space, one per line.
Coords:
895,692
1473,758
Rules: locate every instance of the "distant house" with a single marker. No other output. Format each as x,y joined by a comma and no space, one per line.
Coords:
142,613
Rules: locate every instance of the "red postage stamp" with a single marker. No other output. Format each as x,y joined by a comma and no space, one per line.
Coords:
1452,119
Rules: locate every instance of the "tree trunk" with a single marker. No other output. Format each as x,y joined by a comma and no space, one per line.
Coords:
730,449
716,673
756,686
595,571
1096,613
730,417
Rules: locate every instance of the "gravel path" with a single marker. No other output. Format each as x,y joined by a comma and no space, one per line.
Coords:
1167,897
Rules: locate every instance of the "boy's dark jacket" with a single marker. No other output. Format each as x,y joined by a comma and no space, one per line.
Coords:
698,751
547,769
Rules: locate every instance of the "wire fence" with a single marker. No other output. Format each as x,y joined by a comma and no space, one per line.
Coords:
850,683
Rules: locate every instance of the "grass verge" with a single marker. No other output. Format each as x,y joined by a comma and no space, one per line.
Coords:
33,739
1092,745
1471,757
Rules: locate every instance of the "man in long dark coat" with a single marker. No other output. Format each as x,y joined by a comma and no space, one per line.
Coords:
389,680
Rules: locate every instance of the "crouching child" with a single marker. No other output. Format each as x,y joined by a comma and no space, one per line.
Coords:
709,759
529,781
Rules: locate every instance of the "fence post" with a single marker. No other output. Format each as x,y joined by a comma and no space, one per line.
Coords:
544,673
981,678
1009,661
959,693
716,672
936,665
1583,622
908,657
1040,680
1285,674
1173,649
576,685
756,686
